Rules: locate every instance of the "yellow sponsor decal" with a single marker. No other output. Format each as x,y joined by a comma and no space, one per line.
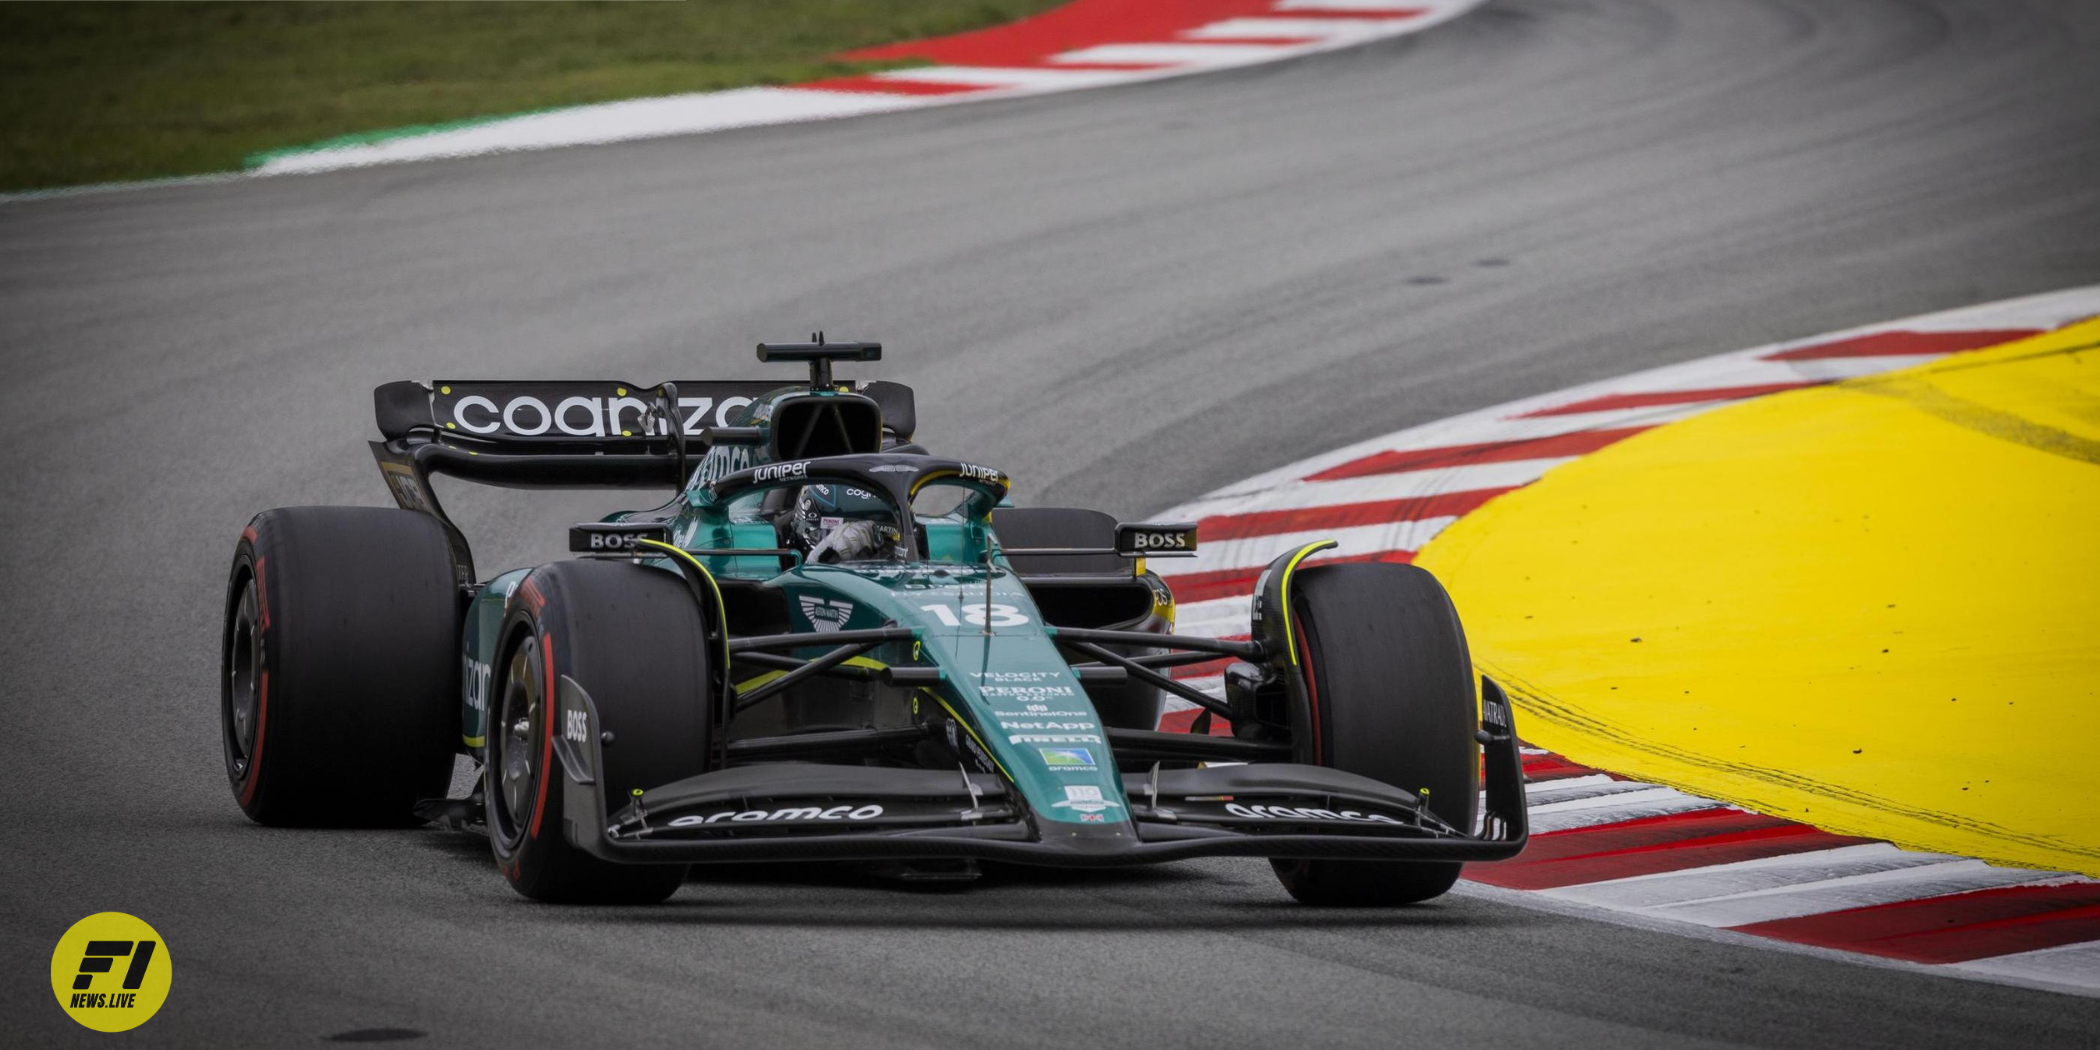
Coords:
111,972
1873,606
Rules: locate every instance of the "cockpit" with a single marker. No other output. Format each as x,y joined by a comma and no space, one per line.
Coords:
896,506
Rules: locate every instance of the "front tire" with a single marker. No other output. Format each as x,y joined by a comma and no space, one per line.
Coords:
1388,695
338,686
632,636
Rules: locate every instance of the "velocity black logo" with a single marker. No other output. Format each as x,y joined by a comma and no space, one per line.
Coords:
101,957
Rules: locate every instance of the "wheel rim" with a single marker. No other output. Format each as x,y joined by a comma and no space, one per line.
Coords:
243,698
516,763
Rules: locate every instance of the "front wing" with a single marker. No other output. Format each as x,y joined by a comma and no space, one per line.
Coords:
810,812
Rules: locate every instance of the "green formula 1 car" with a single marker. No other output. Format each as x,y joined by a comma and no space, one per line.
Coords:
831,644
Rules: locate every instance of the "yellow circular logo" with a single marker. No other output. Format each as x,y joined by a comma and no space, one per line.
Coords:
111,972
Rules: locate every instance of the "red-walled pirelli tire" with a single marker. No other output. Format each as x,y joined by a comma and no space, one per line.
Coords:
1389,691
339,698
631,636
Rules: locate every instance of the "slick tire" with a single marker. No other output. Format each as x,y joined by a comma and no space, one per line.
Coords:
1389,695
339,700
632,637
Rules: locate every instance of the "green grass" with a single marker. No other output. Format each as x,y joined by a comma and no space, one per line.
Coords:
102,92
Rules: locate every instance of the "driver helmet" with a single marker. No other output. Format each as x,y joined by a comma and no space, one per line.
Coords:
844,523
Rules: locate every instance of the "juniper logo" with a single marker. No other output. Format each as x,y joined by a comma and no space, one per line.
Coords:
111,972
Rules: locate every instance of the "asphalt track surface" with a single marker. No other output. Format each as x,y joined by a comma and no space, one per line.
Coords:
1125,298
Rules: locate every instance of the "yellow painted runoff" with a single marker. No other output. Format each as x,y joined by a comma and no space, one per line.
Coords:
1873,606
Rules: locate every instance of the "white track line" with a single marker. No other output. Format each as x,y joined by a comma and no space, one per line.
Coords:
1195,48
1032,79
1501,422
2072,967
1728,880
1366,6
1187,56
1375,487
1254,552
1217,618
1650,801
1582,789
1840,894
596,125
1311,30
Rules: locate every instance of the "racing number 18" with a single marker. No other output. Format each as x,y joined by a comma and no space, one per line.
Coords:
1002,615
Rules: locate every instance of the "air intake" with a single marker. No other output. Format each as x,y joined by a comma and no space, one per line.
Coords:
837,425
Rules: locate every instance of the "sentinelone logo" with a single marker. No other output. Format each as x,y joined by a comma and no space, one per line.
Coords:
111,972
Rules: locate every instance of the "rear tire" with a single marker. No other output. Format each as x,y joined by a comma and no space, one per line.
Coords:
1389,690
339,703
632,637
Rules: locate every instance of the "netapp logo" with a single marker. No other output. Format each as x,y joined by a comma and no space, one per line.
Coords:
1048,725
1294,813
1495,714
867,812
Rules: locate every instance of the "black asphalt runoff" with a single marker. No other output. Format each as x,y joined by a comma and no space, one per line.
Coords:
1123,297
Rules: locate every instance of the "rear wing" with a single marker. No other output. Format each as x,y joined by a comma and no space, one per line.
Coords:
572,434
608,415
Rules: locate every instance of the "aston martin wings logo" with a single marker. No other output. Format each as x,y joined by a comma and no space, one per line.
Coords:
826,615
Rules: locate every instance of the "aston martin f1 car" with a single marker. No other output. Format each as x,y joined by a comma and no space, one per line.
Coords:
832,644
